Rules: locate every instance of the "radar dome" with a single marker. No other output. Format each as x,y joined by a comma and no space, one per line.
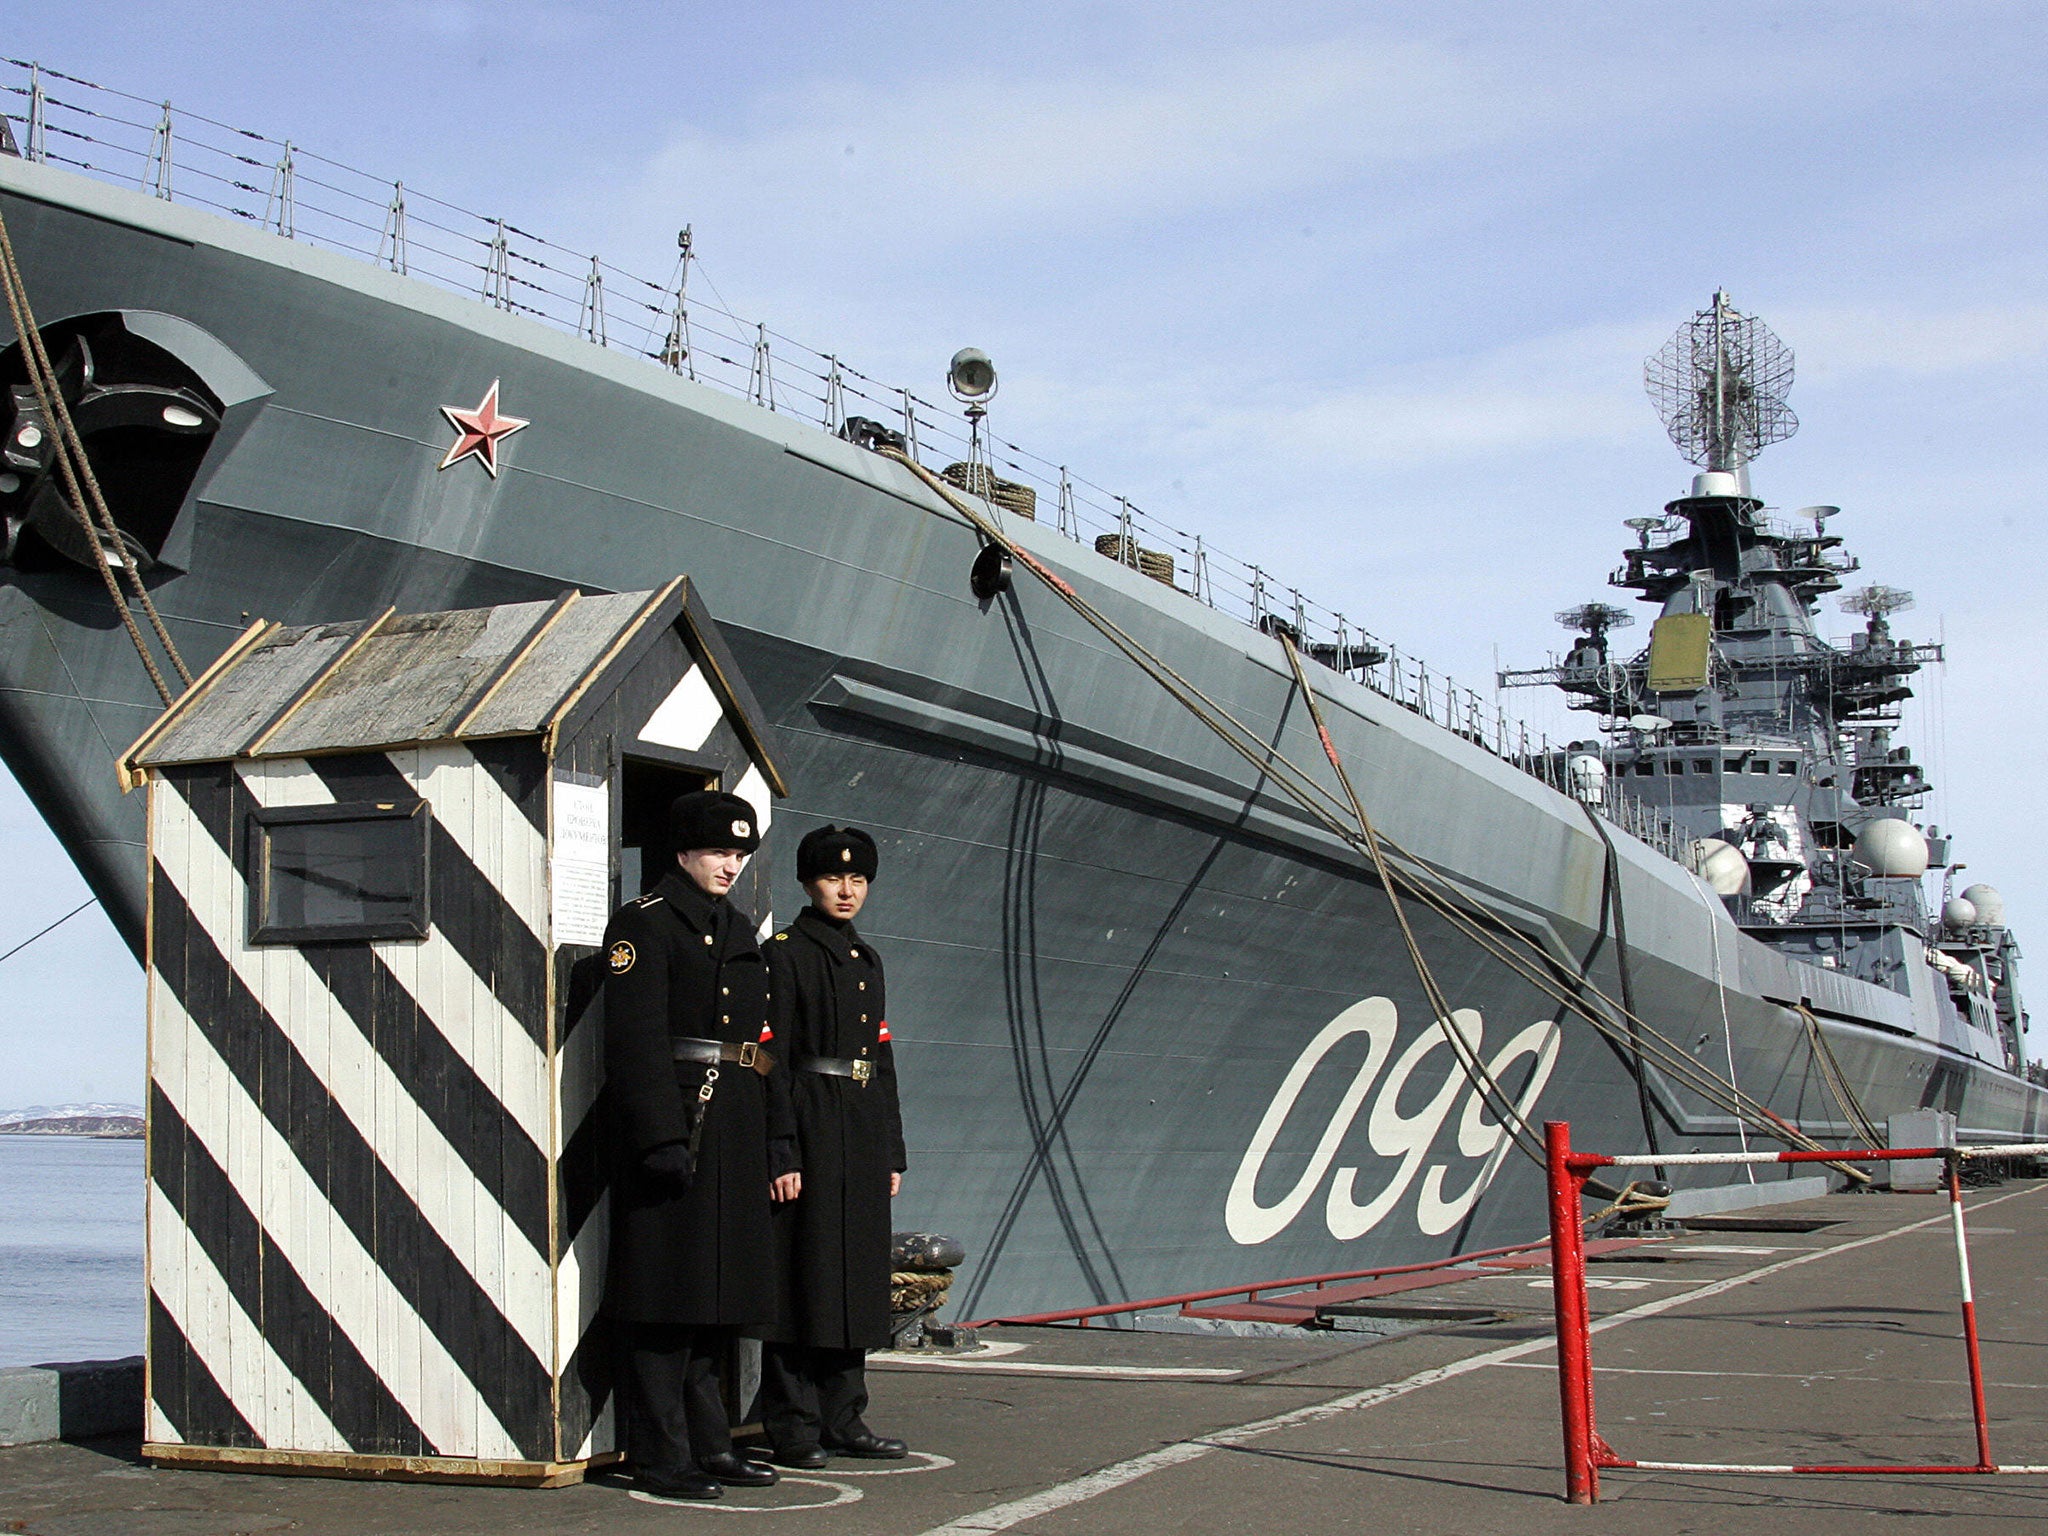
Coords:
1720,864
1958,913
1892,849
1989,904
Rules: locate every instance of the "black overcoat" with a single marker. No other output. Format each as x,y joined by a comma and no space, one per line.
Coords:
683,964
832,1242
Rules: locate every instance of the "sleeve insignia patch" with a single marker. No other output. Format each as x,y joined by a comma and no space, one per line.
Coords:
621,958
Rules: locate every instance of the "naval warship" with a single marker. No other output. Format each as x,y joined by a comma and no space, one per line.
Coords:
1166,1019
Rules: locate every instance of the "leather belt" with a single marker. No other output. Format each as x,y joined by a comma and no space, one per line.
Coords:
832,1066
711,1052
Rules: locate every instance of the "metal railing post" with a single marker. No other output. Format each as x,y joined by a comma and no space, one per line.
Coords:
394,230
498,271
909,424
36,145
761,382
835,394
284,195
1568,1297
590,324
156,170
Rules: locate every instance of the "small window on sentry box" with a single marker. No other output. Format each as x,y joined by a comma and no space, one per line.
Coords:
336,872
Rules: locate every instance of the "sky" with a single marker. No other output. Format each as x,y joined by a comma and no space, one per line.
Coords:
1362,293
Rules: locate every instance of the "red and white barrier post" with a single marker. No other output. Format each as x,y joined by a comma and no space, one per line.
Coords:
1585,1452
1955,1215
1568,1294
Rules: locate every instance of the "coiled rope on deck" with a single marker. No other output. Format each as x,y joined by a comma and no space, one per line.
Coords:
75,469
1569,986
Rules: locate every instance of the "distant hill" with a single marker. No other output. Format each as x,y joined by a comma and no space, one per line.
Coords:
119,1120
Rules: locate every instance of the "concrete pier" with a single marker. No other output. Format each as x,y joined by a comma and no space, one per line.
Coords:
1842,1343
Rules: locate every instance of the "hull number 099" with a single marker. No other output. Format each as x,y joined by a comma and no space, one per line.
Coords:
1403,1137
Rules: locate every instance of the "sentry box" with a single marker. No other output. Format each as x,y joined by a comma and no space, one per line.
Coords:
382,855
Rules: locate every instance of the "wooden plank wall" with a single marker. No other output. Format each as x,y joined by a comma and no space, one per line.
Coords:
350,1231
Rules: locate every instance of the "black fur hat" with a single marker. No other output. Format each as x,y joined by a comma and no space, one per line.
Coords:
710,818
836,851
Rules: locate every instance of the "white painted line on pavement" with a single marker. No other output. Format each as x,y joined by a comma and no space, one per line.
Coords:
986,1351
1047,1368
841,1493
1002,1517
1845,1376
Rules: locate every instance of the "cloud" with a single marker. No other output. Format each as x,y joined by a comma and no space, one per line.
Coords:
1567,389
1570,387
1838,345
978,153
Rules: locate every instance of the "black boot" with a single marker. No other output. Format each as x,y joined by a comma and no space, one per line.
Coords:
737,1471
677,1485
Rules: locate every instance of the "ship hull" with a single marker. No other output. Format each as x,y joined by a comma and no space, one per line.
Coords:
1159,1029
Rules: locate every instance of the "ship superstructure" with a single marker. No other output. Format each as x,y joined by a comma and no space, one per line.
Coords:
1767,747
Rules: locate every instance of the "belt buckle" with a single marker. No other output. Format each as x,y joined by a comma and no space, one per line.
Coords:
749,1051
863,1070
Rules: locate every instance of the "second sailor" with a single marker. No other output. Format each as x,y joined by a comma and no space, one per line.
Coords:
832,1219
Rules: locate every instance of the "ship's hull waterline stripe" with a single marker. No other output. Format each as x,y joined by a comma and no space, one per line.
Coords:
376,1102
279,1100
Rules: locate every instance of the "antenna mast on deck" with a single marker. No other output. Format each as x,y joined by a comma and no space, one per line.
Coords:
1720,385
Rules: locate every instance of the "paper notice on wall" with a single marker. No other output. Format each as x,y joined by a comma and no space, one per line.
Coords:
580,864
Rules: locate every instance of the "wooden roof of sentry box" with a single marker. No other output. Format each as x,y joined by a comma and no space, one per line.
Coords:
520,669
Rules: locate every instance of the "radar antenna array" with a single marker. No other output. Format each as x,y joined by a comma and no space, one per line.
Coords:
1876,602
1719,386
1595,618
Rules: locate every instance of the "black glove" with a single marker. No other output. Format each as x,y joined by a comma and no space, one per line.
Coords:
671,1163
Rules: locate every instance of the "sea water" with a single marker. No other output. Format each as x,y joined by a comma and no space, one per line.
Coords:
70,1249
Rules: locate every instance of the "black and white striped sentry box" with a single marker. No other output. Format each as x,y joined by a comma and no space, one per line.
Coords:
382,855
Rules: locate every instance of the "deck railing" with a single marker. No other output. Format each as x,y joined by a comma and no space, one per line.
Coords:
683,325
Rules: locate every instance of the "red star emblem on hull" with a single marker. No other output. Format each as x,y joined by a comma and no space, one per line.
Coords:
478,432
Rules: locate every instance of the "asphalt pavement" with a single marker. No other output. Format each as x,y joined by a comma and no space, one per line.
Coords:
1839,1344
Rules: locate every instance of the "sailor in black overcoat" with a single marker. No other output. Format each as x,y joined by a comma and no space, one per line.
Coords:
832,1218
687,1005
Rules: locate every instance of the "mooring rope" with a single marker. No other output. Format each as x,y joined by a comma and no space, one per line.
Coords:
1613,907
87,502
1570,987
1476,1070
1838,1081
